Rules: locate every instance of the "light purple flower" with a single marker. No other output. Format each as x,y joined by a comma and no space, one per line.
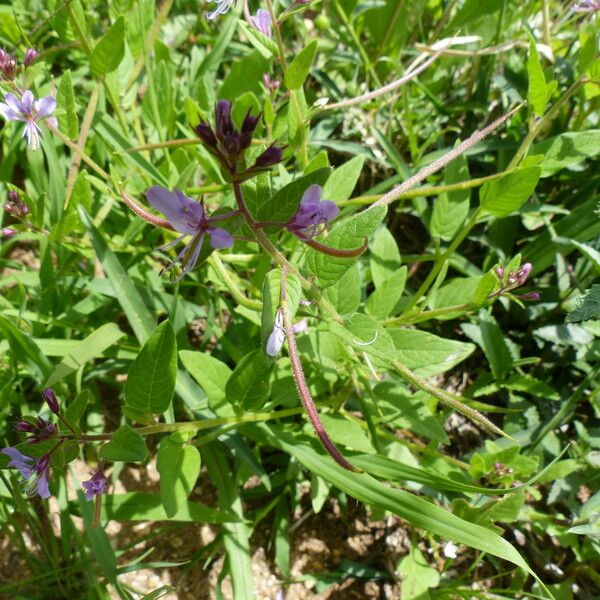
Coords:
588,6
95,486
188,217
262,22
34,472
312,214
222,7
30,111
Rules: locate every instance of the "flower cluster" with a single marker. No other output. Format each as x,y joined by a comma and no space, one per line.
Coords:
514,279
35,472
227,143
8,63
14,206
30,111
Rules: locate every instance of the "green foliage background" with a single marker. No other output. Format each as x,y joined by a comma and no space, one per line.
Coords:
473,414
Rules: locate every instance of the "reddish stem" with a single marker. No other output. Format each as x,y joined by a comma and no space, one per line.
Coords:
350,253
148,217
302,387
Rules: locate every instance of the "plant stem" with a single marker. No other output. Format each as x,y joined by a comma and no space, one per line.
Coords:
235,291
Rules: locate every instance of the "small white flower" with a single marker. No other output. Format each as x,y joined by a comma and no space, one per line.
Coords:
30,111
222,7
277,337
450,549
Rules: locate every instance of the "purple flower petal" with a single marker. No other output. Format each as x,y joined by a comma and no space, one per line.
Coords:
7,112
27,102
43,487
182,212
19,461
220,238
329,210
312,195
45,107
262,22
13,103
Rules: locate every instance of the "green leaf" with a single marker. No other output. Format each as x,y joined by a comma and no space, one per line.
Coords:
284,203
426,354
151,377
272,302
298,69
494,346
416,575
212,375
87,349
109,51
346,292
566,150
179,467
587,307
76,408
347,234
385,256
416,510
451,208
25,350
383,301
342,181
235,535
266,46
67,113
248,385
537,94
127,445
140,506
503,196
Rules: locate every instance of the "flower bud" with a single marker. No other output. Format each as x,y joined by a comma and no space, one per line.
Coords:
13,196
530,296
8,65
8,232
277,337
500,272
523,273
30,56
271,156
50,398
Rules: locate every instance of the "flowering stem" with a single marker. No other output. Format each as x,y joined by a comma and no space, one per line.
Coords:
278,38
302,387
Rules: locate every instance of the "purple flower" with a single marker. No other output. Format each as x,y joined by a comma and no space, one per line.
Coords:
188,217
95,486
30,112
589,6
30,55
312,214
262,22
271,156
8,232
34,472
50,397
222,7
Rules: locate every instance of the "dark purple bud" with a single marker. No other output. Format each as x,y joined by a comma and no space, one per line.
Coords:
13,196
50,398
248,126
530,296
95,486
206,134
8,232
223,123
30,56
25,427
271,156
